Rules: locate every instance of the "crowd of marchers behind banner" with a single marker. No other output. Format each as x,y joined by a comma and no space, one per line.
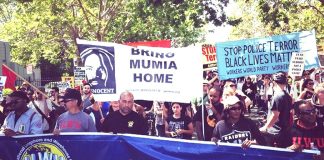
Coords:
270,110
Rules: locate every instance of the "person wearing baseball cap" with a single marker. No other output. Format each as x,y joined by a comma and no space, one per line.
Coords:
22,119
235,127
74,120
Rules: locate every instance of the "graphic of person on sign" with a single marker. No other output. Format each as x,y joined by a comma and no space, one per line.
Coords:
100,70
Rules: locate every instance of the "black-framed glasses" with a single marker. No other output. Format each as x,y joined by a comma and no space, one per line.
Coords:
309,111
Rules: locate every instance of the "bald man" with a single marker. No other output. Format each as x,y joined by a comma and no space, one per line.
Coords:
125,120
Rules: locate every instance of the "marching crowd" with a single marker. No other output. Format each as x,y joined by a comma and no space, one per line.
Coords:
290,113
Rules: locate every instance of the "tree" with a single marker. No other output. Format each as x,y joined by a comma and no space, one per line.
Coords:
280,17
48,29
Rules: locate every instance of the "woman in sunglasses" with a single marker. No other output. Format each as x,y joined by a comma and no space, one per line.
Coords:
305,132
235,128
307,89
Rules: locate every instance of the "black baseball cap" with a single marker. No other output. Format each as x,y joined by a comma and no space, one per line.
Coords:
72,94
280,77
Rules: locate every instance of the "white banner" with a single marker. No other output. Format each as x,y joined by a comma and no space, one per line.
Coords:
2,85
150,73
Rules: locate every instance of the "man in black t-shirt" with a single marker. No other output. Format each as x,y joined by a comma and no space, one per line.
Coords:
305,129
280,109
212,112
125,120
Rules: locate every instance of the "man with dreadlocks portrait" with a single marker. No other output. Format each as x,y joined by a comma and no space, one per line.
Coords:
100,69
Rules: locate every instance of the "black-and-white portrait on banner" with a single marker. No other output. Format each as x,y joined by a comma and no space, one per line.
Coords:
100,68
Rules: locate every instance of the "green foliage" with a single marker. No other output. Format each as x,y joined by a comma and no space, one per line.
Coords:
48,29
271,17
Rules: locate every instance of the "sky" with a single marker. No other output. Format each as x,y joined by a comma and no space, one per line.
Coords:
221,34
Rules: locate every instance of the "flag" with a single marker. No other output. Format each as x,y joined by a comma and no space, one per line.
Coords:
11,77
158,43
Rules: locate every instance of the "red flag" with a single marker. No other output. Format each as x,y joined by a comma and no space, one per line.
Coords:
11,77
158,43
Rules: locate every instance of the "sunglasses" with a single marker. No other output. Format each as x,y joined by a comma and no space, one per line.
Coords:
233,85
308,112
311,83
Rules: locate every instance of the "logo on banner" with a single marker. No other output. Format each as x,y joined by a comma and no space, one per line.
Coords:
100,71
40,149
237,136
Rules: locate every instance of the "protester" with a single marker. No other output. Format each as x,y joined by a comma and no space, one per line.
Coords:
264,93
230,89
25,87
125,120
54,95
280,117
178,125
21,120
160,118
307,90
305,132
317,79
235,128
43,106
30,95
74,120
305,75
212,114
114,106
57,110
86,97
249,89
318,102
196,105
94,110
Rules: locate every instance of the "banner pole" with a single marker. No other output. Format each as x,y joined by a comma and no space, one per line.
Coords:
202,118
35,88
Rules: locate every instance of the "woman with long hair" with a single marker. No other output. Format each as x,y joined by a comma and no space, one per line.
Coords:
307,89
178,125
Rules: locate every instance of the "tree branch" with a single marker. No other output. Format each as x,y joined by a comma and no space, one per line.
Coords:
98,35
112,13
319,11
85,13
